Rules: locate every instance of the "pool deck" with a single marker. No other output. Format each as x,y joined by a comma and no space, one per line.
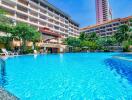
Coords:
5,95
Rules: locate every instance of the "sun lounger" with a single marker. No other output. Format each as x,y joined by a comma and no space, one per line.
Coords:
6,52
2,54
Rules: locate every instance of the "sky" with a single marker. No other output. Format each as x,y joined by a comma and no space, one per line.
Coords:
84,13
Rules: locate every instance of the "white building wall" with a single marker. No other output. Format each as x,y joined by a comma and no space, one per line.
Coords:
39,16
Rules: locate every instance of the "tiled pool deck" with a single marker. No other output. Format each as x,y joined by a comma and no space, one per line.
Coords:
4,95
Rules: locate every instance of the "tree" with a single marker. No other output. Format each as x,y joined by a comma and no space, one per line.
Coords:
71,41
90,45
36,37
6,27
74,43
126,45
122,34
105,42
4,20
92,37
89,37
109,41
130,31
82,36
25,32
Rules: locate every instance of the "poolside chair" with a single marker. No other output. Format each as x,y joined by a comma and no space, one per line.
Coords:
6,52
2,54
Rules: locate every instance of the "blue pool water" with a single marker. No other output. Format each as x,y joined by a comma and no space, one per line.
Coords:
71,76
127,56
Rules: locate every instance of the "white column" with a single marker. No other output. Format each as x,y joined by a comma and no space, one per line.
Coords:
15,14
38,12
28,10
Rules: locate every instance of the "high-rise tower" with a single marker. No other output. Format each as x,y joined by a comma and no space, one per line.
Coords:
103,11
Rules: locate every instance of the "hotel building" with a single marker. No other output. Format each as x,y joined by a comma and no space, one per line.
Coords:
40,13
107,28
103,11
51,21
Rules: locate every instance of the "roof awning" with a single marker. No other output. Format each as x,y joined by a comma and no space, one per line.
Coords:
47,31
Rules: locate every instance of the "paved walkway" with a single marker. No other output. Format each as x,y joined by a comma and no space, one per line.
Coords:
4,95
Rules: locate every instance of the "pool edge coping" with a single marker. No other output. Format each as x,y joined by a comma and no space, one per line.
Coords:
6,95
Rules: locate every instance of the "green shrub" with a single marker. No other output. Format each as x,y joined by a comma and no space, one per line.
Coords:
126,45
106,49
76,49
28,51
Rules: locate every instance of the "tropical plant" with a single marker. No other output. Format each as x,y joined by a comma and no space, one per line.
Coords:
126,45
89,37
5,27
83,36
122,34
106,41
71,41
91,41
25,32
36,37
90,45
92,37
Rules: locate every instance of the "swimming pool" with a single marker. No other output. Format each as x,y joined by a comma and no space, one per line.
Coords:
71,76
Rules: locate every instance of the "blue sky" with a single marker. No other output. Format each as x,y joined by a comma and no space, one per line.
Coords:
83,11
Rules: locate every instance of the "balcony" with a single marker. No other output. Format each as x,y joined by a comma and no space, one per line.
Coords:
66,26
8,3
115,24
21,8
57,23
109,29
51,20
50,15
34,6
108,26
21,16
42,23
25,2
56,28
43,11
33,20
43,17
33,13
57,18
9,11
35,1
50,26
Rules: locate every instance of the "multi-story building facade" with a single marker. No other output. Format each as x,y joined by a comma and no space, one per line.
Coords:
103,11
41,14
107,28
53,23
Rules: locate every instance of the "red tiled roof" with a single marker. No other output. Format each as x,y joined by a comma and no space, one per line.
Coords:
47,31
106,22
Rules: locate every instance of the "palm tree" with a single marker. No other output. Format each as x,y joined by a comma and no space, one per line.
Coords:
93,36
130,30
82,36
122,34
